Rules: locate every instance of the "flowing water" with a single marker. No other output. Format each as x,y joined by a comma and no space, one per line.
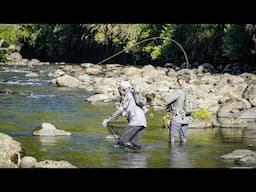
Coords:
37,100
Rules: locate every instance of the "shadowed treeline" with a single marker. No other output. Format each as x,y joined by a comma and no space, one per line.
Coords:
217,44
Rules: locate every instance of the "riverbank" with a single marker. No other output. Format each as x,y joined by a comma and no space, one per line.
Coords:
230,99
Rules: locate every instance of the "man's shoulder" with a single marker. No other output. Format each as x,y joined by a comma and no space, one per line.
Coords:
179,91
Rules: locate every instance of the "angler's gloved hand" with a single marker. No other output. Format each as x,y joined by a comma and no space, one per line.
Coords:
105,122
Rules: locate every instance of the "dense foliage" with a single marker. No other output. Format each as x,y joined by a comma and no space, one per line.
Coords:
211,43
201,114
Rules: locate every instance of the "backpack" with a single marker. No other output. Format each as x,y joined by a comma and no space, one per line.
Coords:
139,99
190,104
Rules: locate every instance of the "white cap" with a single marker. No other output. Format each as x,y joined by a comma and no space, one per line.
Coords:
124,84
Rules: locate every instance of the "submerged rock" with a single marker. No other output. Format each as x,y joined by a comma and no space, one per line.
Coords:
47,129
32,74
6,91
112,137
238,154
54,164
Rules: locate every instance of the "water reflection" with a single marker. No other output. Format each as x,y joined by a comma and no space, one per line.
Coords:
249,136
53,141
134,160
179,157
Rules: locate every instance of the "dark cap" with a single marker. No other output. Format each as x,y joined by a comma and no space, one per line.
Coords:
185,76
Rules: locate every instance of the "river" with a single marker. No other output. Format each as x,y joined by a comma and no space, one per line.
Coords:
37,100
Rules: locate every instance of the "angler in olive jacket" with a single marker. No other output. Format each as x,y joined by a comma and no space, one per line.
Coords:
180,121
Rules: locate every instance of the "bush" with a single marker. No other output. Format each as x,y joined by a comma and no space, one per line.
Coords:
9,33
201,114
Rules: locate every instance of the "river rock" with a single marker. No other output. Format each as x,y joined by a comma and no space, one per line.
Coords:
47,129
11,152
249,160
249,115
210,79
199,124
131,71
66,68
85,78
171,65
112,137
149,72
206,67
230,86
250,93
32,74
76,69
16,56
98,98
57,73
54,164
237,154
67,81
160,87
28,162
86,65
94,70
229,112
6,91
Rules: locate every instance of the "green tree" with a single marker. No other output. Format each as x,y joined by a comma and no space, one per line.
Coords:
238,43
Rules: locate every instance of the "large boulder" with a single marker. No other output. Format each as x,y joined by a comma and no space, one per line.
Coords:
67,81
249,115
149,72
209,102
86,79
108,86
161,87
248,77
250,93
131,71
230,86
209,79
249,160
237,154
229,112
242,157
94,70
47,129
11,152
53,164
